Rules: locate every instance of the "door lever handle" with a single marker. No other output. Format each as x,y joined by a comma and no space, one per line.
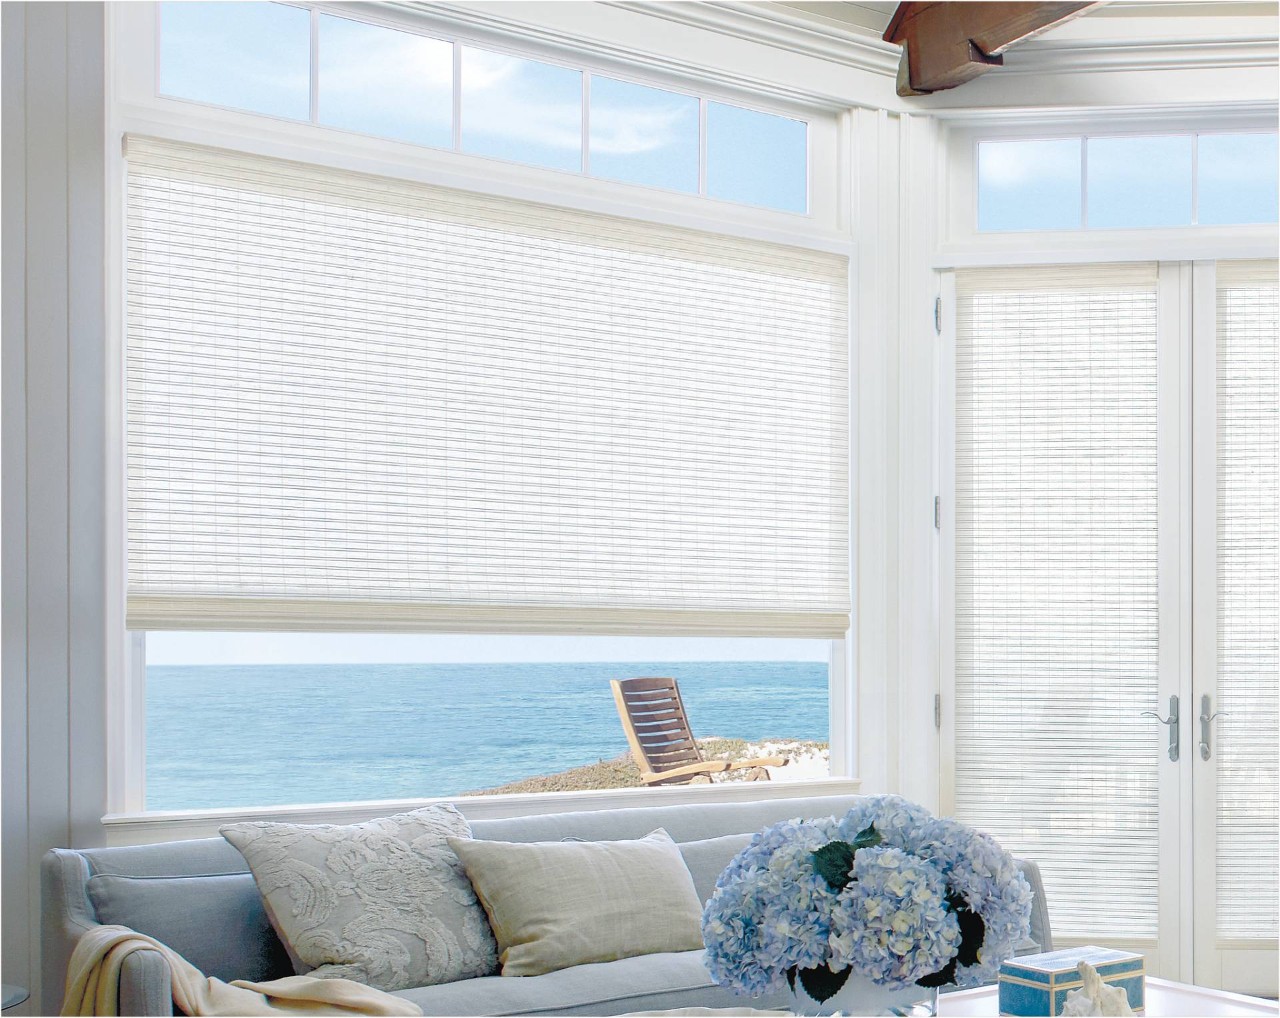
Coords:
1205,718
1172,721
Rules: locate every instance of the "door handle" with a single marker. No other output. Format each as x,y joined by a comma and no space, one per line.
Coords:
1205,718
1172,722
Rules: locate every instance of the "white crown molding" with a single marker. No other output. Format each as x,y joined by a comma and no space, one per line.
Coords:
508,21
1259,114
1050,56
772,25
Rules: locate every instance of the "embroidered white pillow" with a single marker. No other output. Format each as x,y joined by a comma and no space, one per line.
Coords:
553,904
385,903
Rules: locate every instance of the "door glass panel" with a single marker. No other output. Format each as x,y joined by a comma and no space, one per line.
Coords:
1140,181
1237,175
1056,624
1029,185
1248,616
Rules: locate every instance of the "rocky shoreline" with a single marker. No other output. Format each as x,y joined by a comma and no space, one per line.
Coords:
808,761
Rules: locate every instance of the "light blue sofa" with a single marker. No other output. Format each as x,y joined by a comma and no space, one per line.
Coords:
199,898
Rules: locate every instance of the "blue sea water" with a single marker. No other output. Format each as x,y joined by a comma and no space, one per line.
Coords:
240,735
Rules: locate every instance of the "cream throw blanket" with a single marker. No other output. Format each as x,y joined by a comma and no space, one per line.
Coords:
93,985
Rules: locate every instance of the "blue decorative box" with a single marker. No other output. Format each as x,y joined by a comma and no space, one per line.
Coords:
1037,984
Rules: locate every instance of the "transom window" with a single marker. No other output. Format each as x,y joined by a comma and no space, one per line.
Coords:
1130,181
301,64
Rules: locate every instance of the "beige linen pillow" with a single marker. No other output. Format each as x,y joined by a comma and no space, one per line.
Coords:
553,904
384,902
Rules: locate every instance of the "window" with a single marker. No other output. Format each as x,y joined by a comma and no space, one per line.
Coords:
644,135
358,405
249,56
390,82
522,110
1129,181
379,81
346,717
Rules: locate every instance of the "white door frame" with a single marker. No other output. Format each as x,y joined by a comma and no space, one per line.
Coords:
1240,965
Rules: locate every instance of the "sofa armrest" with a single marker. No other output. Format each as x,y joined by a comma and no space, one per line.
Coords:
146,986
145,982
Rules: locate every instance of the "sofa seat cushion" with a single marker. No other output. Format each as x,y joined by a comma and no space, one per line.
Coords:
650,982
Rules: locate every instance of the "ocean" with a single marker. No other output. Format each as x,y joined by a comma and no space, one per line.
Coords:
260,735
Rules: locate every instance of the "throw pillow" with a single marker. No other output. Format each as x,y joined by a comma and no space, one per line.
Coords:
555,904
385,902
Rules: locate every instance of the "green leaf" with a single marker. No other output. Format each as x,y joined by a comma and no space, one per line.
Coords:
972,930
833,862
868,837
821,983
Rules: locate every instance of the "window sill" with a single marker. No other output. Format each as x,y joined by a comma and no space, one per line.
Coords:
183,825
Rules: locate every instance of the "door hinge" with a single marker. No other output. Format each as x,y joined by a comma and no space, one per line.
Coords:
937,512
937,315
937,710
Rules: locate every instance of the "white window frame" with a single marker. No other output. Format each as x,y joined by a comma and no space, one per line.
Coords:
133,106
963,246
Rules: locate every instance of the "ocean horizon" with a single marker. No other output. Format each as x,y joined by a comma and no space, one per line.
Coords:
265,735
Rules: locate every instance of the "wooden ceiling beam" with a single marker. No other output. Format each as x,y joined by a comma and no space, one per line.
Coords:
947,44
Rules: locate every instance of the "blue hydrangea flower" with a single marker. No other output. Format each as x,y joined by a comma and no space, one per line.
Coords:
892,922
772,911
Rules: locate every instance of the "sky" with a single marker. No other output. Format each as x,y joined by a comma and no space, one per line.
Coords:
184,648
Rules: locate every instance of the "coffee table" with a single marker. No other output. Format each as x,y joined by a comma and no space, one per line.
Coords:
1165,999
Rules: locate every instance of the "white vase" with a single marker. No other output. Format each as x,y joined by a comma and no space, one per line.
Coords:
860,996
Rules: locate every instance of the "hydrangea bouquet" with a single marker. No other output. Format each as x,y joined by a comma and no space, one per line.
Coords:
888,891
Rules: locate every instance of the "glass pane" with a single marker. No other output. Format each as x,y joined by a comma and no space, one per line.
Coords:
522,110
249,56
1238,178
757,158
643,135
256,719
1029,185
1140,181
379,81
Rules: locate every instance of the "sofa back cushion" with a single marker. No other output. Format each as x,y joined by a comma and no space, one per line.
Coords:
686,822
181,912
708,858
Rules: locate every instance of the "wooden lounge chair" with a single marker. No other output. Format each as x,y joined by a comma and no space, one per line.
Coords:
653,717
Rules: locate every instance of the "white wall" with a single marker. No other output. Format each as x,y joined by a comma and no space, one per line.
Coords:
54,785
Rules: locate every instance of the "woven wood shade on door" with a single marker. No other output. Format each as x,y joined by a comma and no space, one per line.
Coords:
358,403
1056,582
1248,610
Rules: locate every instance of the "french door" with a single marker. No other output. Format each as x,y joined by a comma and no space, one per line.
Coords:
1109,577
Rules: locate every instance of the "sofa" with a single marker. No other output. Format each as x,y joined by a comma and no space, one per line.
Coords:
199,898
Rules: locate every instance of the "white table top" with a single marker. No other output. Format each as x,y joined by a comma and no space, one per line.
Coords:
1164,1000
